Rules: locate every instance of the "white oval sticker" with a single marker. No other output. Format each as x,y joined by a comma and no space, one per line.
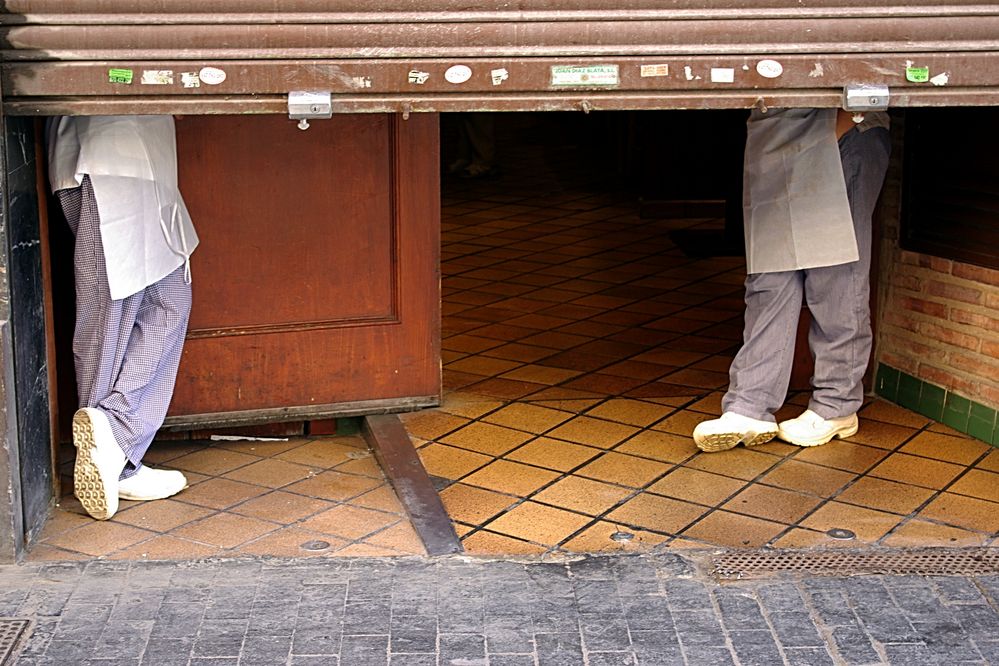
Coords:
211,75
458,74
769,69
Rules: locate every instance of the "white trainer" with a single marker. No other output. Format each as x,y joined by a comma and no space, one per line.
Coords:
730,429
151,484
810,429
99,461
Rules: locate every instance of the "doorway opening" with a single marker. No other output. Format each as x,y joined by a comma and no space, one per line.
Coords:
591,304
588,327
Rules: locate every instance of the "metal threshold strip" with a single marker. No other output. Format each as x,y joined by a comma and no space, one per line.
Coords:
387,437
930,562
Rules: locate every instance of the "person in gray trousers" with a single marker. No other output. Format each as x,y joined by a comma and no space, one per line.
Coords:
812,180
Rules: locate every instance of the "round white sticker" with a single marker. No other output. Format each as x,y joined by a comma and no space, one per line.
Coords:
211,75
458,74
769,69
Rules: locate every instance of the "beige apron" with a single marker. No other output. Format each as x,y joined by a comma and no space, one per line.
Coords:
796,211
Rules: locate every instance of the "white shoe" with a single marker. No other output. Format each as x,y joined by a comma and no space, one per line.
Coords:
728,431
99,461
810,429
151,484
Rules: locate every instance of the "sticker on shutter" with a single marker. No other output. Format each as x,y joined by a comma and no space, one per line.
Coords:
119,75
157,77
585,75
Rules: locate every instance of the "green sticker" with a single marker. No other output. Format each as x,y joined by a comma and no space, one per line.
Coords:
917,74
119,75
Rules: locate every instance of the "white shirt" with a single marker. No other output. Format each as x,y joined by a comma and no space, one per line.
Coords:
146,230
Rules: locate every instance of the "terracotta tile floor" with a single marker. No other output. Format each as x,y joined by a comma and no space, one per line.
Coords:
245,498
581,346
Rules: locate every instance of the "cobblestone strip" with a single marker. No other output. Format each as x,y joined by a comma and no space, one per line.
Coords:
595,611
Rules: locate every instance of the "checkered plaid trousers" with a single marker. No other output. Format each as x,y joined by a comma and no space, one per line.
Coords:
127,351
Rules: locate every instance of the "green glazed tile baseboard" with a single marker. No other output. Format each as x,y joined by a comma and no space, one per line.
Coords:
937,403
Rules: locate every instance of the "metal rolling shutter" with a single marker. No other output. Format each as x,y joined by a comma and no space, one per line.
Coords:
58,55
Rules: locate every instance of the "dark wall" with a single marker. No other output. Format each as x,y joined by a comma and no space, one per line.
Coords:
11,526
27,320
950,204
691,155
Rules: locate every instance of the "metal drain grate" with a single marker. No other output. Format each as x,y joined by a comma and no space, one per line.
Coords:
11,632
845,563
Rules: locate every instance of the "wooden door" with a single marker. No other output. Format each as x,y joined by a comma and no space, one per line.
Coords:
316,283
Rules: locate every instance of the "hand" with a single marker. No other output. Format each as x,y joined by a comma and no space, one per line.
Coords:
844,123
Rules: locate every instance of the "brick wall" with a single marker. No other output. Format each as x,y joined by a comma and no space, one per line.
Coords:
937,319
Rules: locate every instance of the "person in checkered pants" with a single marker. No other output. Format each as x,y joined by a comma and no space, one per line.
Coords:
116,181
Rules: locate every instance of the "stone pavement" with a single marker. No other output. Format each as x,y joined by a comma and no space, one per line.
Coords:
596,611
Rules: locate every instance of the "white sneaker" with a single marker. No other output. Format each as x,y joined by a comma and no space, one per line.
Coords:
99,461
151,484
728,431
810,429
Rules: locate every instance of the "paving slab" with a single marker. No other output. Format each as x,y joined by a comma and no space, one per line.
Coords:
593,610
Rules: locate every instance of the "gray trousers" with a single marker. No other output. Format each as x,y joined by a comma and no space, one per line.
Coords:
838,298
126,352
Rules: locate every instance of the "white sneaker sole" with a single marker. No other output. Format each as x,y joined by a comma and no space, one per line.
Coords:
723,441
89,486
145,498
848,431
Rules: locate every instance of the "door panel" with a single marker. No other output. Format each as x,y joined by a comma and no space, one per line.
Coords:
316,281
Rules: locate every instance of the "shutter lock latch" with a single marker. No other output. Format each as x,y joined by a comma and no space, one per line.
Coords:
305,105
859,97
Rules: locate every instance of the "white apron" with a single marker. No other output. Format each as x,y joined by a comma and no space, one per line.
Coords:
146,231
795,206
